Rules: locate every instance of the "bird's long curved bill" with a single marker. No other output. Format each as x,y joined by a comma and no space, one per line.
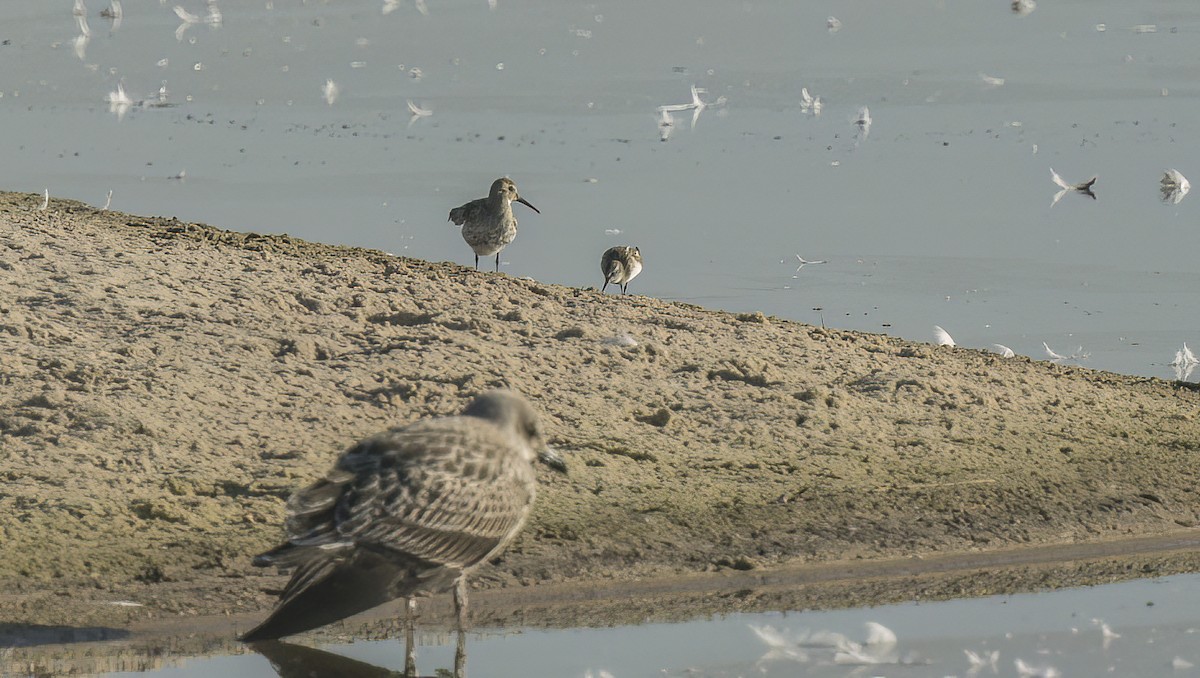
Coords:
550,457
525,202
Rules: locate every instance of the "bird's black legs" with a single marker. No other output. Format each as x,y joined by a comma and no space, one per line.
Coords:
476,262
410,647
460,610
497,262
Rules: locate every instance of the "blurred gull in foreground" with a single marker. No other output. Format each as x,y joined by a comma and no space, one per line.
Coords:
408,512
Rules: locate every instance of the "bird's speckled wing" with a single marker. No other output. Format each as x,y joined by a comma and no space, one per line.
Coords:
464,213
448,491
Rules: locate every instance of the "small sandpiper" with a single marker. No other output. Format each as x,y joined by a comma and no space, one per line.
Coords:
488,223
619,265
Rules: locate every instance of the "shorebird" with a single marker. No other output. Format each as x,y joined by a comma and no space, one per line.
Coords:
488,223
408,512
619,265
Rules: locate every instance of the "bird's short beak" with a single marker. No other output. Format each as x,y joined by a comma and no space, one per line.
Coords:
550,457
525,202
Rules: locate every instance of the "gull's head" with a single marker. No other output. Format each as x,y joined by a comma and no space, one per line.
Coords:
514,415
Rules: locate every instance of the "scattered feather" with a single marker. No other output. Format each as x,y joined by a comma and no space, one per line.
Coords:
119,102
418,111
864,122
1051,354
1077,356
1026,671
186,16
666,123
1179,663
1174,186
982,660
991,81
833,25
107,201
697,106
45,200
1082,187
804,262
622,340
809,103
1004,351
214,17
779,645
80,44
330,91
941,337
1108,634
879,635
1023,7
1184,357
113,13
1085,186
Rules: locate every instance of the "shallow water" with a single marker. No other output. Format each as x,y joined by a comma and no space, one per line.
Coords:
942,215
1154,622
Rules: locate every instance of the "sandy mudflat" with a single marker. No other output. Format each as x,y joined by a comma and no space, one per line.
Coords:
166,385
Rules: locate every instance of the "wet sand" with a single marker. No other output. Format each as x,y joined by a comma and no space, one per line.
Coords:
167,385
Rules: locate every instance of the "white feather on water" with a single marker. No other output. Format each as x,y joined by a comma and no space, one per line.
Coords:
941,337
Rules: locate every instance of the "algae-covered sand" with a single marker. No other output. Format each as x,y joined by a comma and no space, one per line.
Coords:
166,385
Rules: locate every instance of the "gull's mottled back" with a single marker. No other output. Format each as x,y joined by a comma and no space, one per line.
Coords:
407,512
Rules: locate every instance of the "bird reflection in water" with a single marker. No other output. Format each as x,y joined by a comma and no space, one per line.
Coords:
298,661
